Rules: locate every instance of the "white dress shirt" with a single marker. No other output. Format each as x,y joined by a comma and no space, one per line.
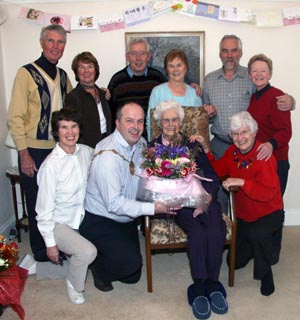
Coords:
111,190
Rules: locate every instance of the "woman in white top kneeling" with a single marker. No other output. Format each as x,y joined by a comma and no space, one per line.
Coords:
60,202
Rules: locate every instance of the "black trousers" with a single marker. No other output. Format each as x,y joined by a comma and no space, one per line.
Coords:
283,167
31,189
254,240
119,256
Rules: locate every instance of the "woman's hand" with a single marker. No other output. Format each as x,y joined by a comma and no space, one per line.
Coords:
265,151
201,140
53,254
233,182
199,211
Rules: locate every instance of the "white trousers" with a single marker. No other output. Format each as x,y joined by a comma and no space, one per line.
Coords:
80,251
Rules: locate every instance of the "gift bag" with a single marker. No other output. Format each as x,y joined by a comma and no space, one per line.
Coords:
184,192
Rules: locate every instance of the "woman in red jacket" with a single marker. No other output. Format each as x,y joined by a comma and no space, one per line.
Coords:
258,199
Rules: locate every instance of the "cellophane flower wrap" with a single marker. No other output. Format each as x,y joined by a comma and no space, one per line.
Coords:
12,277
169,176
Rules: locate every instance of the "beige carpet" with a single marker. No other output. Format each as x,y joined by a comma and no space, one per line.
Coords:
47,299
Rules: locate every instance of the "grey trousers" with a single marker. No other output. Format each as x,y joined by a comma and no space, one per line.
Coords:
80,251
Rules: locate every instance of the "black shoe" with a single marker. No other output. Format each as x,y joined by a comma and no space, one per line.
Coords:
275,258
103,286
267,284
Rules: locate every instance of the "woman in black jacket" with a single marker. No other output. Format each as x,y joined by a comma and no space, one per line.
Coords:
89,100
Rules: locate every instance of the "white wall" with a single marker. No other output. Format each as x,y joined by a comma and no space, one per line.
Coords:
20,45
6,209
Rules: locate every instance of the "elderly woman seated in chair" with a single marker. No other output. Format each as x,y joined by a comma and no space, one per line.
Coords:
258,199
206,231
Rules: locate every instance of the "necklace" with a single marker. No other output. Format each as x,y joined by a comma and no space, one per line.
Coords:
242,163
131,163
87,86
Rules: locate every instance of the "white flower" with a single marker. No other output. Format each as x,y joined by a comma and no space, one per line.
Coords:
183,160
3,263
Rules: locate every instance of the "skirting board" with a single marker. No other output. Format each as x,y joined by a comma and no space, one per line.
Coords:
292,217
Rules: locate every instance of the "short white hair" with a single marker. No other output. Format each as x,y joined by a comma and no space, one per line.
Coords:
167,105
242,119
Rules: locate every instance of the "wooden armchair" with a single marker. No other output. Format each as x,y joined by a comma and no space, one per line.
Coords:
165,234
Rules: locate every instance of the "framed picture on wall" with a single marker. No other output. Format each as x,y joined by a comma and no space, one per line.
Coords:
192,43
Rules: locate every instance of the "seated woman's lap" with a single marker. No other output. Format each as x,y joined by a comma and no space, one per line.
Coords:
206,239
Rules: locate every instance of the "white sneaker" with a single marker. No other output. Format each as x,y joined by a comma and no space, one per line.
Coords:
29,264
74,296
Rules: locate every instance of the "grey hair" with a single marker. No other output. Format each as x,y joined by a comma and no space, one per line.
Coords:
133,41
53,27
231,36
167,105
242,119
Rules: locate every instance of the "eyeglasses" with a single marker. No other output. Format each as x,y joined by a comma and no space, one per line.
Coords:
141,54
242,134
169,121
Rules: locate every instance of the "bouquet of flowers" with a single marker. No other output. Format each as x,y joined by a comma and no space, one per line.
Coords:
168,162
8,253
12,277
170,176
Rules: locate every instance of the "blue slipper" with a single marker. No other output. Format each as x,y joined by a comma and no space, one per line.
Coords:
191,292
220,288
201,308
218,302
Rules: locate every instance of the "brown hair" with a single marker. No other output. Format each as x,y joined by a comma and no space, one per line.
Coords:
260,57
175,53
85,57
67,114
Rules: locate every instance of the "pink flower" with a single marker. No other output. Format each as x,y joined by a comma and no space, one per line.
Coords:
149,171
158,161
166,167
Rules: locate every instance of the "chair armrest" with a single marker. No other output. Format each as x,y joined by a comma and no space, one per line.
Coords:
232,211
147,222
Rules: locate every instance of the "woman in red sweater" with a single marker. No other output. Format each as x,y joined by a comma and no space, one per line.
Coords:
258,199
274,126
